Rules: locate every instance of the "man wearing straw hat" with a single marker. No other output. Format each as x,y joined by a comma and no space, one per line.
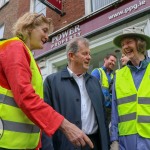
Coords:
130,118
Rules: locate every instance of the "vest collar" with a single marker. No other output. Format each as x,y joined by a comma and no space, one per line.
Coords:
105,69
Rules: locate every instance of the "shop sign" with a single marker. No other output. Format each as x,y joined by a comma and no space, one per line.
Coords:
97,22
128,9
56,5
65,36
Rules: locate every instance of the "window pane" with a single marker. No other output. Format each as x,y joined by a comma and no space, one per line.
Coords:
39,7
97,4
3,2
1,31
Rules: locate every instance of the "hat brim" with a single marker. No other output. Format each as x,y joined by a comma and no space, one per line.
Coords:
117,40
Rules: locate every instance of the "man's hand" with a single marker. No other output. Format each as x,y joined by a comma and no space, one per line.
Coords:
76,136
114,145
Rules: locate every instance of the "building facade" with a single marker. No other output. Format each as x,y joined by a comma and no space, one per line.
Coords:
98,20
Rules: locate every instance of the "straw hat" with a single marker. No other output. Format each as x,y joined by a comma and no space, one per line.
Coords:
132,32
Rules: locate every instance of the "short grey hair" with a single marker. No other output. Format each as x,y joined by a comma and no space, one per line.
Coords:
73,45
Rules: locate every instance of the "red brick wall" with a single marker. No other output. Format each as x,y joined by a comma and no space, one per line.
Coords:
74,10
10,13
23,6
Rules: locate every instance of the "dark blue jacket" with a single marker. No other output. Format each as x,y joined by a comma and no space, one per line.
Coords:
62,93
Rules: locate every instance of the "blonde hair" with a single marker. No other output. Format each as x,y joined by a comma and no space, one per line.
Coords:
29,21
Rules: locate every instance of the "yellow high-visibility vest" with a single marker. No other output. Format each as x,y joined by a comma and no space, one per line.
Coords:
19,131
133,105
104,80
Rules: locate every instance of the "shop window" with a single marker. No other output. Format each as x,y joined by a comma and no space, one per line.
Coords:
1,31
98,4
37,6
3,2
95,5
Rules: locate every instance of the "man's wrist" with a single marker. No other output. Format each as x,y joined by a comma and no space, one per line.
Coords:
63,125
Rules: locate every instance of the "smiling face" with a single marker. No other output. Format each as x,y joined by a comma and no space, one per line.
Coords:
124,59
110,62
80,61
33,29
38,36
129,48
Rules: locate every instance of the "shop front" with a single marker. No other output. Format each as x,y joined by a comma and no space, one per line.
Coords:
100,28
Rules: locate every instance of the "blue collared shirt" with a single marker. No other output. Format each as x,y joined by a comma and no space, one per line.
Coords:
106,92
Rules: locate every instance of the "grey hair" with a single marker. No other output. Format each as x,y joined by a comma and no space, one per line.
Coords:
73,45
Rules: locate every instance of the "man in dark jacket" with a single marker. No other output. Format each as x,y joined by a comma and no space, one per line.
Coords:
78,96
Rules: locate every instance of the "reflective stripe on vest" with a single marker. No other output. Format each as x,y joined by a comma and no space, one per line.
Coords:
17,126
20,127
7,100
104,80
127,117
128,99
133,105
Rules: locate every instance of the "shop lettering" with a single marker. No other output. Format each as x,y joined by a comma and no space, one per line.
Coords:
128,10
65,36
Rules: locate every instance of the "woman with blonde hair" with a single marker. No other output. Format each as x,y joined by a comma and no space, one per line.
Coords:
22,109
